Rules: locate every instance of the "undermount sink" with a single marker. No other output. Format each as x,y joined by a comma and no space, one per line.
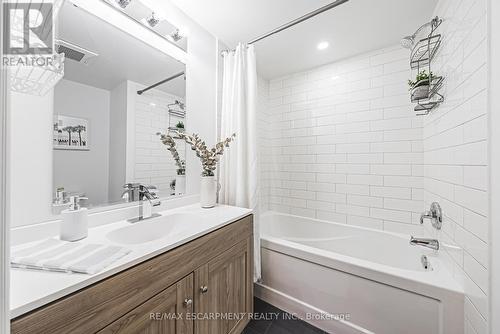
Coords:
154,229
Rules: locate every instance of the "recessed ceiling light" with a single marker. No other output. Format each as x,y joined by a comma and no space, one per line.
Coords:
323,45
152,104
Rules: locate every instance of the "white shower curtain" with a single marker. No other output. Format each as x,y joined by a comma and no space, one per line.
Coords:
239,172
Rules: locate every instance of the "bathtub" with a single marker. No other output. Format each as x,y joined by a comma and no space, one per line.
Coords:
346,279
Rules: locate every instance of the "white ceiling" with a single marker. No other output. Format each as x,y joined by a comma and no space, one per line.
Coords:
120,56
352,28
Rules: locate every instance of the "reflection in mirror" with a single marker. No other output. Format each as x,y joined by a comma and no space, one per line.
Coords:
104,133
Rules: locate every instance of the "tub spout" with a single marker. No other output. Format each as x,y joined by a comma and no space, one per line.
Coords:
429,243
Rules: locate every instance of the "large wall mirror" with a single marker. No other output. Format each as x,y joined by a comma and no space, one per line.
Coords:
106,119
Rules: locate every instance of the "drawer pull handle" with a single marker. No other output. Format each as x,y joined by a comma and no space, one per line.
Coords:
188,302
204,289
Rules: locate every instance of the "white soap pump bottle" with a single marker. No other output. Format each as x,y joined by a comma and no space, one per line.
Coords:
74,225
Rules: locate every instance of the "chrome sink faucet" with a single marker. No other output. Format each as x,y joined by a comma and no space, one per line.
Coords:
424,242
131,192
147,196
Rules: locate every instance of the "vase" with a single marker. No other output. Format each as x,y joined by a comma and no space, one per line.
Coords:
208,192
180,184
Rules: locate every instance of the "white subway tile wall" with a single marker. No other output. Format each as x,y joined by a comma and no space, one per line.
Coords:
152,161
265,147
455,152
346,144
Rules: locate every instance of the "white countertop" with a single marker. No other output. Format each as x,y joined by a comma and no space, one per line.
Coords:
30,289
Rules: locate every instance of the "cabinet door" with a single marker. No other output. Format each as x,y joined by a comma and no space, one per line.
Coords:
163,314
223,291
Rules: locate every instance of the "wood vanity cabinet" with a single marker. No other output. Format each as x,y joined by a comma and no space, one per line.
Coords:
202,287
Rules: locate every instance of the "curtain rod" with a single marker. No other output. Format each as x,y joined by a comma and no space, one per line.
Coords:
160,83
297,21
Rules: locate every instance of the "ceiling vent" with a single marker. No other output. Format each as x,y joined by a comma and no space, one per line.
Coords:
74,52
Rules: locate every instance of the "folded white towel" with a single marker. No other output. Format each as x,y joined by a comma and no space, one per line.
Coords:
56,255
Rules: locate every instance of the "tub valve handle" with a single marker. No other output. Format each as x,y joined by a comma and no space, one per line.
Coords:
435,214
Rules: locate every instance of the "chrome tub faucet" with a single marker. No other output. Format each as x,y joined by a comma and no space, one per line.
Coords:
424,242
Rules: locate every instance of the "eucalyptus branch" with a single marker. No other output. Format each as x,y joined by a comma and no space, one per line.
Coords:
208,157
168,141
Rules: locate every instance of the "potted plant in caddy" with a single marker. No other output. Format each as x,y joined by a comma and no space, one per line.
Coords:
180,126
420,88
209,159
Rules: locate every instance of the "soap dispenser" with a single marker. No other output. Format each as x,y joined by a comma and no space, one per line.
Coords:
74,224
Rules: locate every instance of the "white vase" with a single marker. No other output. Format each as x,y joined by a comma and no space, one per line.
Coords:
208,192
180,184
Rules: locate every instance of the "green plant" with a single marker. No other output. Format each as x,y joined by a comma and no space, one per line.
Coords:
180,125
422,79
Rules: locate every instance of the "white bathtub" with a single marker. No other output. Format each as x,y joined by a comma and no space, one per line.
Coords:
347,279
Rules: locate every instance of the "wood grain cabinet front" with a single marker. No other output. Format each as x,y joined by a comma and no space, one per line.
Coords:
165,313
224,295
202,287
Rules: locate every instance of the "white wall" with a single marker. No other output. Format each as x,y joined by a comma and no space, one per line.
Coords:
30,162
117,141
494,167
84,171
4,195
456,152
348,144
201,99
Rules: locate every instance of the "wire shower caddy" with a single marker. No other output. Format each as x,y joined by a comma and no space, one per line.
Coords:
176,114
421,58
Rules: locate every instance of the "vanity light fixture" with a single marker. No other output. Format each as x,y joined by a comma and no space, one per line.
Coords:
175,36
152,20
323,45
123,3
134,28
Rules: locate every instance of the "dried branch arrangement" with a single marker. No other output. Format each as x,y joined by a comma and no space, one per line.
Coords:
168,141
208,157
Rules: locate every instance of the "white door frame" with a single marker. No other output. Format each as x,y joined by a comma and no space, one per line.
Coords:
4,224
